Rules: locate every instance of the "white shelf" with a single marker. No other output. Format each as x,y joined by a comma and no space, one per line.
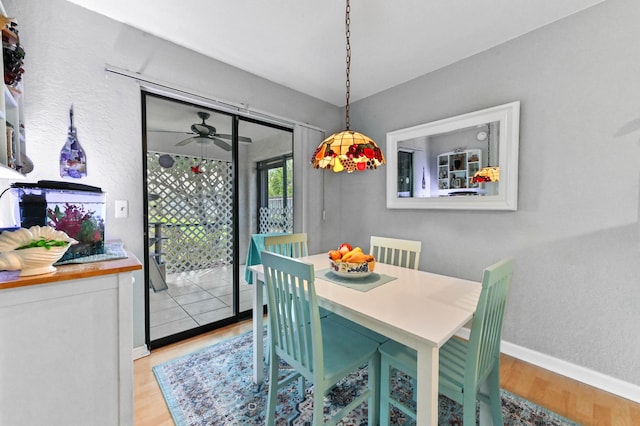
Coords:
456,169
11,106
9,100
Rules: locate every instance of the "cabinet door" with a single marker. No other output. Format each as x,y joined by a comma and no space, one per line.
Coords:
70,361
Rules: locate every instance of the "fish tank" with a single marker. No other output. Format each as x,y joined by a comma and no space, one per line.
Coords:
80,214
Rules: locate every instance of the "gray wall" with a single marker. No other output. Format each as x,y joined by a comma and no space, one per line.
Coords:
67,48
575,237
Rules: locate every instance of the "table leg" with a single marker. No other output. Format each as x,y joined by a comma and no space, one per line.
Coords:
258,327
427,399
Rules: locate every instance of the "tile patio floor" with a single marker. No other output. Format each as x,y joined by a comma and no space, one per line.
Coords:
195,298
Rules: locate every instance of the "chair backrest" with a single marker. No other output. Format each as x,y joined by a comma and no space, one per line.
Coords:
394,251
291,245
294,318
486,330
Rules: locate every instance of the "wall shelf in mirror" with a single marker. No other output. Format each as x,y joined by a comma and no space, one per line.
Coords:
441,158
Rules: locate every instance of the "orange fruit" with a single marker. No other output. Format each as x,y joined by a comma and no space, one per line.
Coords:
335,255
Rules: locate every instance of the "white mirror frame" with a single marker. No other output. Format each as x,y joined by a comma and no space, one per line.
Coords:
508,116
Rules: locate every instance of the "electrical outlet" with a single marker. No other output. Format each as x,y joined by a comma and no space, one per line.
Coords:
122,208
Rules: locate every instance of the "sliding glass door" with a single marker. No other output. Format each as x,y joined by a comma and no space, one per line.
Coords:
201,207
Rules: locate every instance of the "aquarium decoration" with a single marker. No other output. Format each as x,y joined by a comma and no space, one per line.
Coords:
82,225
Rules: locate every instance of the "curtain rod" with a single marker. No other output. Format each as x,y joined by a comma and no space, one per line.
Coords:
160,87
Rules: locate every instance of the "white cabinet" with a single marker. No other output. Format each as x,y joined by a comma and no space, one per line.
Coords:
12,141
66,356
456,170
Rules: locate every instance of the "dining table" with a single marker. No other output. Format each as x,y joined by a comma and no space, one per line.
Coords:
419,309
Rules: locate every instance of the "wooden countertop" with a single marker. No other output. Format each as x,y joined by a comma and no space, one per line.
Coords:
10,279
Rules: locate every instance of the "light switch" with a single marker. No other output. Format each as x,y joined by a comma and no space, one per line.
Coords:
122,208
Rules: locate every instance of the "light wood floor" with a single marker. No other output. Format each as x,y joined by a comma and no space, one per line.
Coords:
573,400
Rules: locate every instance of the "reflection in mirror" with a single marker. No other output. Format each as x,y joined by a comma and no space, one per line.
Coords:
464,162
446,164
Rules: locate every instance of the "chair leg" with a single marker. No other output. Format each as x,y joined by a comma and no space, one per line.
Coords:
494,395
469,408
374,388
302,390
318,406
267,355
384,389
273,393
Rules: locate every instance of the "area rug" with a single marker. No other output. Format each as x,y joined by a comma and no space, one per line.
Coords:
214,386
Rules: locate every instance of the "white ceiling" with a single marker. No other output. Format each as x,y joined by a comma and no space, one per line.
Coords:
301,44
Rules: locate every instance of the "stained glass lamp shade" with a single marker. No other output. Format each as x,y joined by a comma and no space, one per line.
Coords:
487,174
347,150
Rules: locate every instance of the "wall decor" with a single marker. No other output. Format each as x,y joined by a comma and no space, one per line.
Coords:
454,154
73,161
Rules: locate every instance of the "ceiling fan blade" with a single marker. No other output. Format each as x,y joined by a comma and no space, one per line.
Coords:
185,142
240,138
630,127
222,144
170,131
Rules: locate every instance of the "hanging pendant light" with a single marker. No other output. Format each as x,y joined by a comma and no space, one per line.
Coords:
489,173
347,150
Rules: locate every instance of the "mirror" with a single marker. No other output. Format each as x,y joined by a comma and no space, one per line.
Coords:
435,165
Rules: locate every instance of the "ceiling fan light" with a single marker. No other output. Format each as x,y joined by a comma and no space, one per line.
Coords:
203,129
204,133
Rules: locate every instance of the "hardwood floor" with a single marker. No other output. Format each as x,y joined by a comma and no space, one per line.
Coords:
573,400
149,406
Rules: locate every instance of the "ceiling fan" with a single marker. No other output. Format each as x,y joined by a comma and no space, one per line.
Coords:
204,133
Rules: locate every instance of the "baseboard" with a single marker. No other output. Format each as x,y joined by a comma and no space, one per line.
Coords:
582,374
140,351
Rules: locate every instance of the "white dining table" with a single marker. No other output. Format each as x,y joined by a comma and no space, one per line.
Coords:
419,309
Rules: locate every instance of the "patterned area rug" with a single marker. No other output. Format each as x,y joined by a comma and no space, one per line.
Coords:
214,386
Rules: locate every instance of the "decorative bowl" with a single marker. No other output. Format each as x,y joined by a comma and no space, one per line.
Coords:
34,260
352,269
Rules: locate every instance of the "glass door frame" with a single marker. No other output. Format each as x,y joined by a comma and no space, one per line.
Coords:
264,167
237,315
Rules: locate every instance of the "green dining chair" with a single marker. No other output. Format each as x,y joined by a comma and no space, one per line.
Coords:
321,354
292,245
395,251
464,366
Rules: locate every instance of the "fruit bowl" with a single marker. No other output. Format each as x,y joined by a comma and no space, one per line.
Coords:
352,269
349,262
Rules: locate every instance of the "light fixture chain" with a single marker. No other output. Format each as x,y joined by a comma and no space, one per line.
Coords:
347,150
348,84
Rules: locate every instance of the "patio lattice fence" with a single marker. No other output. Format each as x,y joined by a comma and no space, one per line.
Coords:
195,211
